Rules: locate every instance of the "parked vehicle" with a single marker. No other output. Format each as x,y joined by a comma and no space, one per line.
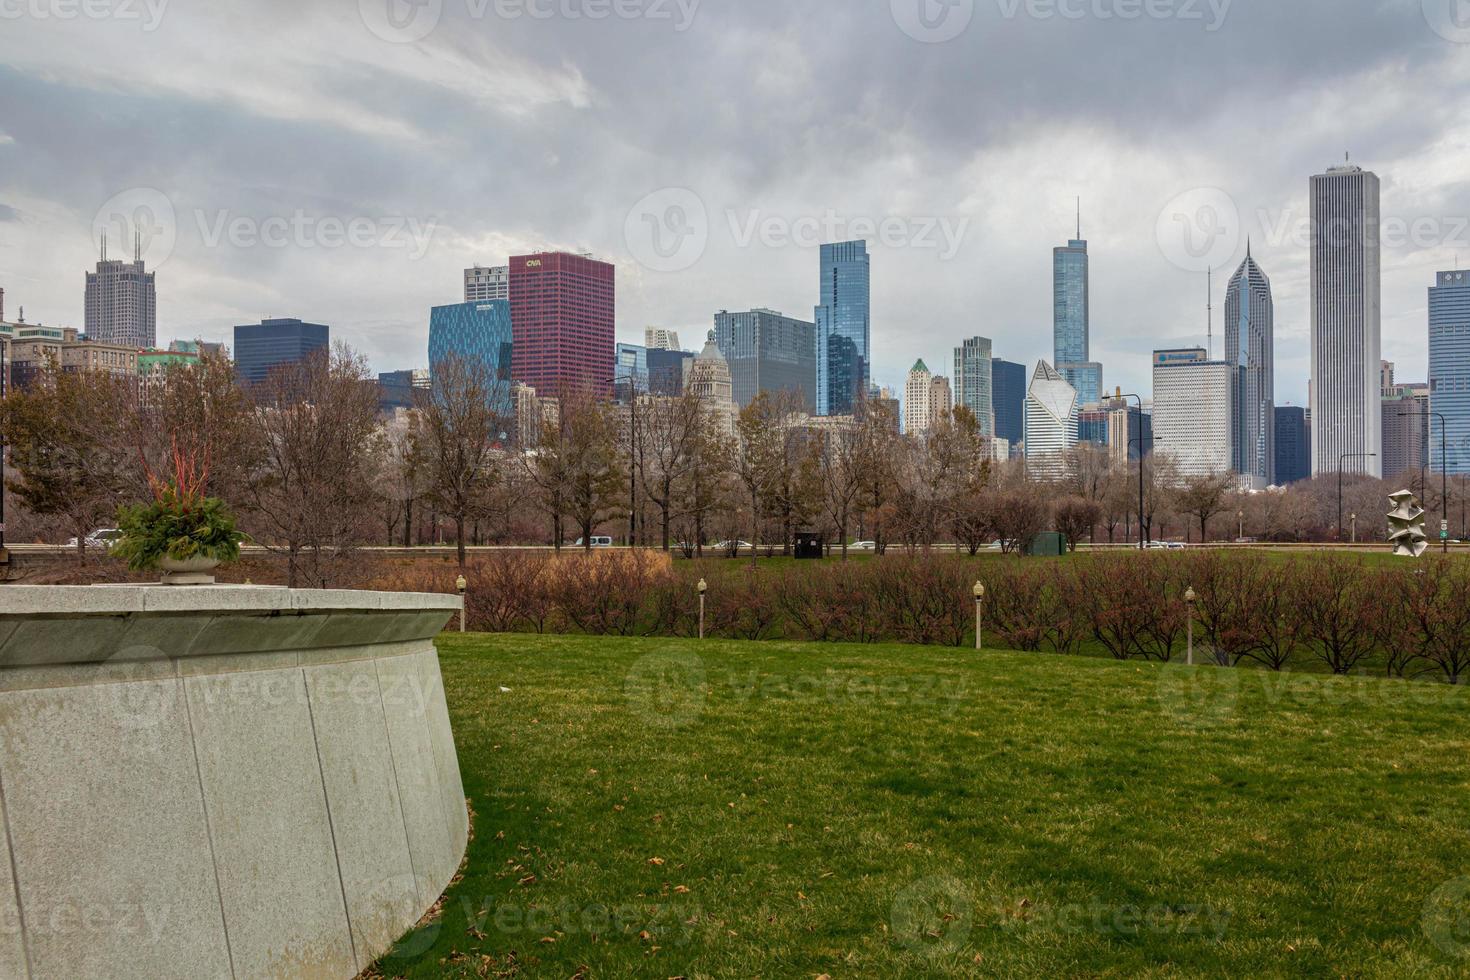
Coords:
597,542
102,538
863,546
733,546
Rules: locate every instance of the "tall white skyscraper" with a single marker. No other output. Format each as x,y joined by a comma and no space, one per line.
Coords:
1250,317
1347,407
660,338
482,284
917,410
1051,419
972,382
1194,405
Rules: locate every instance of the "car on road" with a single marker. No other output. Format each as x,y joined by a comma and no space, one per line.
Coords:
102,538
597,542
863,546
733,546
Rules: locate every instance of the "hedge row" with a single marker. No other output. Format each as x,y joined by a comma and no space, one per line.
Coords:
1337,611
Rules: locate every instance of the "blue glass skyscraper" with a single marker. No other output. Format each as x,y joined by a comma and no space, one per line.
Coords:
476,332
1071,321
1008,398
843,328
1250,341
1449,369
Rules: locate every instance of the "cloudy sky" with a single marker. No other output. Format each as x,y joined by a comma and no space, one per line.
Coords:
343,161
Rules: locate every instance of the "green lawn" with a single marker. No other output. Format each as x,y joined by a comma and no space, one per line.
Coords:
664,808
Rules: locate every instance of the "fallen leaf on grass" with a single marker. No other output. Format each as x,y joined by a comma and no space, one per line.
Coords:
656,861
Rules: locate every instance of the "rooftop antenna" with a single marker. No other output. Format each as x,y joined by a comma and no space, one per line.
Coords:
137,246
1079,217
104,246
1209,314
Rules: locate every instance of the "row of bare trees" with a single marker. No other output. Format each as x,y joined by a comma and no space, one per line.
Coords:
315,472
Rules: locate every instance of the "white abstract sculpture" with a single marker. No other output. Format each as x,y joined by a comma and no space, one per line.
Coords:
1406,526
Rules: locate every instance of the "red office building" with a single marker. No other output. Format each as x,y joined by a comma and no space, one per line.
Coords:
561,314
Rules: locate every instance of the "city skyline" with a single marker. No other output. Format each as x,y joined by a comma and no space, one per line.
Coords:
531,98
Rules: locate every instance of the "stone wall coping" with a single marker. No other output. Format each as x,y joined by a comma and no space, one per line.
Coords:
114,600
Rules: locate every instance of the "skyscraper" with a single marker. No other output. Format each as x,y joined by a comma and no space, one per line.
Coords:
1051,419
1072,320
121,302
1194,408
261,347
916,394
562,308
768,351
478,333
1008,399
1250,347
1293,446
1347,407
482,284
1449,368
1406,431
972,381
843,328
708,379
660,338
630,368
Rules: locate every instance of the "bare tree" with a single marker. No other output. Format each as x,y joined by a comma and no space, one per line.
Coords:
460,425
670,430
1204,498
315,421
840,462
1075,518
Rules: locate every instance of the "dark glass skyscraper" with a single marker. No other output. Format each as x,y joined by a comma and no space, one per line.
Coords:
1293,446
767,351
1249,346
260,347
1449,368
1008,398
843,328
479,332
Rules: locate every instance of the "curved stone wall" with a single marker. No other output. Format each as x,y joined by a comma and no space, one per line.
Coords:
220,781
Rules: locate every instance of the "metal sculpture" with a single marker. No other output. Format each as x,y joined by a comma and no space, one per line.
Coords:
1406,526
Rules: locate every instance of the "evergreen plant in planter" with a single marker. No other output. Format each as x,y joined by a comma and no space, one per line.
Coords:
181,531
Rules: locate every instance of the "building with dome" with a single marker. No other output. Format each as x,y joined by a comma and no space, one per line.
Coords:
707,377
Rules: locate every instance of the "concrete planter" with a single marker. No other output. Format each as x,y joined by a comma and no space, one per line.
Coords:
191,571
221,781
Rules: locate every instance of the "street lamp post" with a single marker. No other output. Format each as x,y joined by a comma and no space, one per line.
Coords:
1240,515
631,379
1190,598
1341,460
1354,519
1444,471
463,586
703,588
1142,544
979,621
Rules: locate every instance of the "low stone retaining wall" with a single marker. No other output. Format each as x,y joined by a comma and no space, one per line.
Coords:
220,781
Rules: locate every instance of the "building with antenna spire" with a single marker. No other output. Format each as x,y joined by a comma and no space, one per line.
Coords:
121,303
1250,337
1071,318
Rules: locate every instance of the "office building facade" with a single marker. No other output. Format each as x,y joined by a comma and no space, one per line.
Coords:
1347,413
1051,420
1194,411
562,309
768,351
1449,369
1072,321
479,333
843,328
1293,446
1250,337
262,347
122,304
666,369
630,369
973,388
659,338
1008,400
485,283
